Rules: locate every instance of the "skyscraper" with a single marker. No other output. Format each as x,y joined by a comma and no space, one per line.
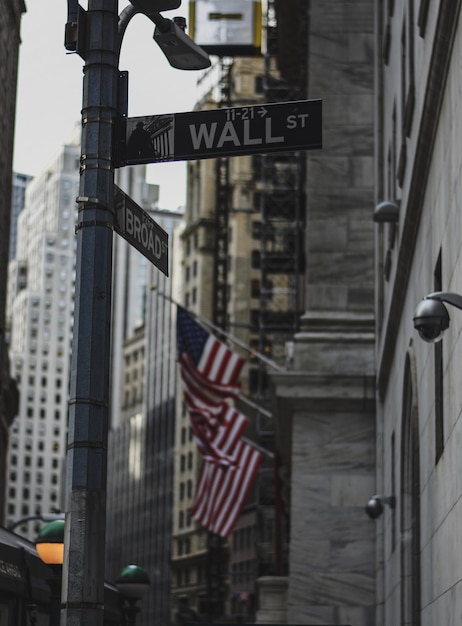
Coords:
141,446
40,313
10,19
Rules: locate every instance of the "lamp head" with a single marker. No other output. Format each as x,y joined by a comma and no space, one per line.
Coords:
132,582
50,542
431,319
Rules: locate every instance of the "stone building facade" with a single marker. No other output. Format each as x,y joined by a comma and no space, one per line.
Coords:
419,402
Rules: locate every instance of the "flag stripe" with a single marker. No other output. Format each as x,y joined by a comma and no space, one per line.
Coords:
241,483
218,363
201,388
222,484
221,494
217,445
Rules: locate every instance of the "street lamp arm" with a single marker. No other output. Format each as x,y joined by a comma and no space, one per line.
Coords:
446,296
124,19
162,23
45,517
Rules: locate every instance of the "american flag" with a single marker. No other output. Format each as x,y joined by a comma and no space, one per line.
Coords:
211,358
210,372
222,491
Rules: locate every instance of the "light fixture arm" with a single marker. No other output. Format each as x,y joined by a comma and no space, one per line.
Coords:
162,23
446,296
124,20
388,500
44,517
179,49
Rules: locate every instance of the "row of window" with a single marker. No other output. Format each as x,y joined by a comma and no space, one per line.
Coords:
243,538
133,375
31,412
28,444
134,356
26,461
58,365
186,490
25,508
244,572
184,519
186,462
186,435
132,397
27,479
191,271
186,576
39,428
44,381
43,396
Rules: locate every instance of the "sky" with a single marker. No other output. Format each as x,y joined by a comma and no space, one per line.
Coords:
49,93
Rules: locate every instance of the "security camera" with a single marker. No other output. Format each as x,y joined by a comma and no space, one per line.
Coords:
431,319
180,50
374,507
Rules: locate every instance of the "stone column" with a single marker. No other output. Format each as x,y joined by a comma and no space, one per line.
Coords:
325,406
272,600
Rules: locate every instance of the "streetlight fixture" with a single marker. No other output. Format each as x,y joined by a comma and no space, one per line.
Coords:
132,583
431,318
50,542
50,548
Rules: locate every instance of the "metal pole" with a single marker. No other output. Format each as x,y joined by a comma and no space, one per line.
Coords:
83,572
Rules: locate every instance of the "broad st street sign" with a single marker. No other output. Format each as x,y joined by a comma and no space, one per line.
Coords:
256,129
140,230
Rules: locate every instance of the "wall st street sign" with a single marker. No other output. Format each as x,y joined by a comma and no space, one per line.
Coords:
140,230
256,129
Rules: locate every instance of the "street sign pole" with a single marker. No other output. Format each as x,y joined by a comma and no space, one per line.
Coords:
83,571
96,35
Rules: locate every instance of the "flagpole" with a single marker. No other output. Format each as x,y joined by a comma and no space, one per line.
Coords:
264,451
259,408
235,340
200,352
